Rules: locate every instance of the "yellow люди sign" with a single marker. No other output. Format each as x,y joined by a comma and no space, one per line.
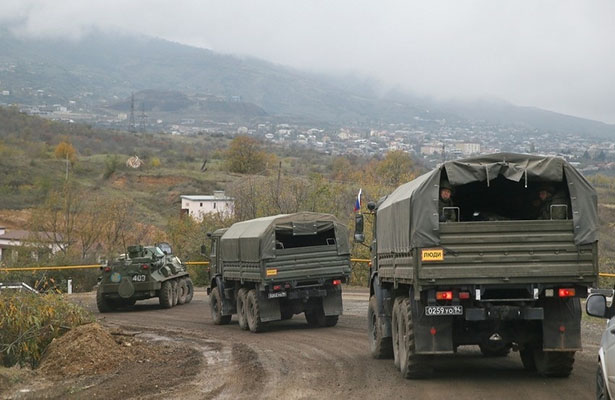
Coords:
432,255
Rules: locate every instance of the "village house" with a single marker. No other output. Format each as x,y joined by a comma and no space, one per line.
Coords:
199,205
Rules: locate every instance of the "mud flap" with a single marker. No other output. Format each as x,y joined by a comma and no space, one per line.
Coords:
269,308
561,327
432,335
332,303
228,304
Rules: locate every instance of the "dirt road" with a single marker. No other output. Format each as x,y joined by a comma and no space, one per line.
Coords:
290,360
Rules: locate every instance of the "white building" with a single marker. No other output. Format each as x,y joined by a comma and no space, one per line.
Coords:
198,205
12,239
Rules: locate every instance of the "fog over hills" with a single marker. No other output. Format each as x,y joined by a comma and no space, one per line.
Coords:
102,70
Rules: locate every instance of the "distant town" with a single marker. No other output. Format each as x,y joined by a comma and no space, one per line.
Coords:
431,141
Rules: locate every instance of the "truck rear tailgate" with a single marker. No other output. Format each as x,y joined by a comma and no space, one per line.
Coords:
306,263
511,251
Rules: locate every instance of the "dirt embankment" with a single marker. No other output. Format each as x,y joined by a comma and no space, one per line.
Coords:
93,362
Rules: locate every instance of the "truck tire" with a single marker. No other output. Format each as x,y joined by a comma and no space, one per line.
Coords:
331,320
379,346
104,305
189,290
175,292
253,312
494,349
181,289
527,357
554,364
286,314
215,305
411,365
395,328
241,309
315,316
166,294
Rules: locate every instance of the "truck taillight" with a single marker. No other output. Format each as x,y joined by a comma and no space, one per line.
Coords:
337,282
464,295
566,292
277,287
145,266
446,295
107,269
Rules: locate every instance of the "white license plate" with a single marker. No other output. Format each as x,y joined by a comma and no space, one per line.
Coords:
139,278
276,295
432,311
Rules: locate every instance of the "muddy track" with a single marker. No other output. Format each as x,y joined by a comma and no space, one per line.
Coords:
290,360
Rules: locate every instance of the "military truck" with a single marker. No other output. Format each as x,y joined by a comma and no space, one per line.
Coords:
500,275
142,273
272,268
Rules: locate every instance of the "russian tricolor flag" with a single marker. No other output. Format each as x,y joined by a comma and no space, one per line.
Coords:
357,204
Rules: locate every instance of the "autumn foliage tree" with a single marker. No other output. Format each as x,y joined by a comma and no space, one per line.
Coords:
245,156
65,151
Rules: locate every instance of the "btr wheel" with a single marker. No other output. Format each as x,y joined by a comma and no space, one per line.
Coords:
182,291
175,292
379,346
104,304
166,294
241,309
215,305
189,290
253,312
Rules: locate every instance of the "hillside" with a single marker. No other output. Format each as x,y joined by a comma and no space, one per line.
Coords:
101,70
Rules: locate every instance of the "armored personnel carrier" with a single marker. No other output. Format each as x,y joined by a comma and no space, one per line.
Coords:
142,273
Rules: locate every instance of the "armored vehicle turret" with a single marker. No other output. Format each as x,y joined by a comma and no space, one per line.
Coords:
142,273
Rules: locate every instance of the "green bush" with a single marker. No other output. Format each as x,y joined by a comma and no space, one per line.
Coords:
29,322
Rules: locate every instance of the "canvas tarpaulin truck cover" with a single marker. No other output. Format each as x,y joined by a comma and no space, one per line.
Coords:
408,217
254,240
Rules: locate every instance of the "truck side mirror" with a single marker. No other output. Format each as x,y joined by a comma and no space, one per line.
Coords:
203,250
359,237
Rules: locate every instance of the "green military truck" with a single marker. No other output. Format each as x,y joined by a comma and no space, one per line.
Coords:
507,272
142,273
271,268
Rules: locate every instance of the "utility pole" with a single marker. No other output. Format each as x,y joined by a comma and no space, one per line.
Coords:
66,166
132,126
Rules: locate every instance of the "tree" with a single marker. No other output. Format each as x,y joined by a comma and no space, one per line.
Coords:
65,151
396,168
245,156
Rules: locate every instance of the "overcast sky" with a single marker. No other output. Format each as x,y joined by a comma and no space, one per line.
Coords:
554,54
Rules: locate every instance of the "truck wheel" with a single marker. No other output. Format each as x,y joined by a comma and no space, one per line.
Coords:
253,312
241,309
331,320
104,305
189,290
166,294
411,365
315,316
395,320
557,364
286,314
494,349
181,289
215,305
175,292
379,346
527,357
